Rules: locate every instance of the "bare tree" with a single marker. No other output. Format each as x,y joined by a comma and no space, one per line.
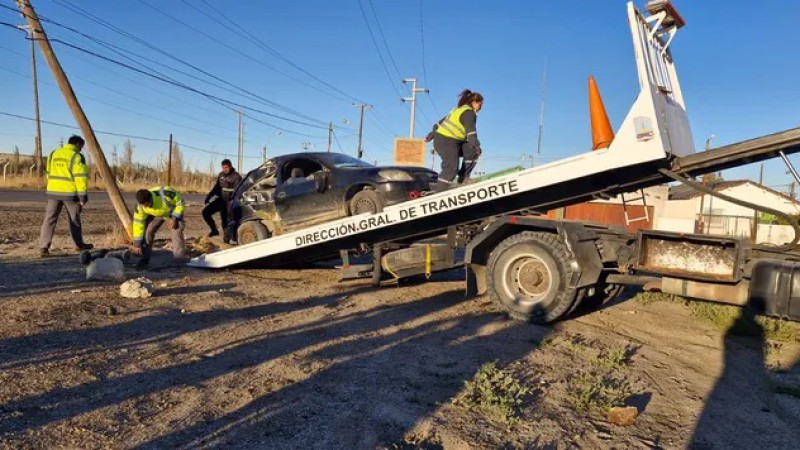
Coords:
177,162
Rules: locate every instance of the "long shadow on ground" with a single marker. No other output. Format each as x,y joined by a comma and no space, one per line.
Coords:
366,380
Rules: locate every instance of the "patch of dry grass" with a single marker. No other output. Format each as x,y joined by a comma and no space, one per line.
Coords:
597,393
495,392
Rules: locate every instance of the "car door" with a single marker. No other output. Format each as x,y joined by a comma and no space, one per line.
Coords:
298,201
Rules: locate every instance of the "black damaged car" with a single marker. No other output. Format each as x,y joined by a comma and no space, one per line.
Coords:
295,191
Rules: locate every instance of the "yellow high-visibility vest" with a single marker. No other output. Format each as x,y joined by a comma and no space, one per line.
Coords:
67,174
451,125
167,202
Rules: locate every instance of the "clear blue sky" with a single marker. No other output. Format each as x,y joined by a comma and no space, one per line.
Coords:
736,61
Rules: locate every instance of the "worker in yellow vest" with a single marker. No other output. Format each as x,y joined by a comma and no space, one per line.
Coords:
67,183
454,137
155,206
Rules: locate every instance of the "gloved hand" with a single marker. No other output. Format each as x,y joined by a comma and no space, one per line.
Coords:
136,251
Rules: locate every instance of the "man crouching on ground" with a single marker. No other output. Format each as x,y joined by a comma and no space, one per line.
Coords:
153,208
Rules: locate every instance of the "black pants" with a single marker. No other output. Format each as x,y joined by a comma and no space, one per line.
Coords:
450,150
217,206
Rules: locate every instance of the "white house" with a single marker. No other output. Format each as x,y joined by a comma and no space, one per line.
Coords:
690,211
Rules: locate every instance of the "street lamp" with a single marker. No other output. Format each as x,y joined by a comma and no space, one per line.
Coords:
264,151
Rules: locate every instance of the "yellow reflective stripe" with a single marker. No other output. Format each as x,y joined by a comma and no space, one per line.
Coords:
449,132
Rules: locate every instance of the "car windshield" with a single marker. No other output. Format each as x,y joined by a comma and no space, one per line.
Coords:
341,161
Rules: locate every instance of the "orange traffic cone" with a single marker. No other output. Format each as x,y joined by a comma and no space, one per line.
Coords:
602,134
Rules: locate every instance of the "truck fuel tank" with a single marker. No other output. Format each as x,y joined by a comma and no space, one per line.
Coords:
775,288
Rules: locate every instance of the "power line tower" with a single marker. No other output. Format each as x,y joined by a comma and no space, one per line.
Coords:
363,108
413,100
307,145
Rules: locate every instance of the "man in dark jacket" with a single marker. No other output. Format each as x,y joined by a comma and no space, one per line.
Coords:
219,198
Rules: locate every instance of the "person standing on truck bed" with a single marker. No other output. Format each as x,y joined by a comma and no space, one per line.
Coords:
67,183
219,199
155,206
454,137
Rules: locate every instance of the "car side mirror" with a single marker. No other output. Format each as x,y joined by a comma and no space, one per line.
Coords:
321,181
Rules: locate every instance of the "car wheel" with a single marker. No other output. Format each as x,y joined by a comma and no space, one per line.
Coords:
366,201
251,231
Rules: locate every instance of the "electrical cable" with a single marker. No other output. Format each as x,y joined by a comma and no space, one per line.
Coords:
125,135
264,46
106,24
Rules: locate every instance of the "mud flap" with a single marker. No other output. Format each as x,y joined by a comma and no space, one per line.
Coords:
476,280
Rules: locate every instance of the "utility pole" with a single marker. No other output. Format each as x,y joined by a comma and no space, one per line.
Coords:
169,162
38,143
330,135
360,152
241,141
754,231
264,155
413,100
541,113
72,101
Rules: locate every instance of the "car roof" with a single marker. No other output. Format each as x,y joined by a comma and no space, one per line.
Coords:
321,155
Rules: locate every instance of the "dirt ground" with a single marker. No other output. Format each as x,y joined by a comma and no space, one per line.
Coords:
296,359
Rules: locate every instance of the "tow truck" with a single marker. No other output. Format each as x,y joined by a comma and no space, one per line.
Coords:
541,270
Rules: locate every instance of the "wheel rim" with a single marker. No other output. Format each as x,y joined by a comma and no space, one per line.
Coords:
527,279
248,236
365,205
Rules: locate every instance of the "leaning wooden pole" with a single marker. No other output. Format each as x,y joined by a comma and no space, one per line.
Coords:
37,31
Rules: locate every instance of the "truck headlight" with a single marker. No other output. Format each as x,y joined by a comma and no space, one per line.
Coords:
395,175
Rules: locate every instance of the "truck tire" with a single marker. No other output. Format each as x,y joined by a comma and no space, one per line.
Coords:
527,277
366,201
251,231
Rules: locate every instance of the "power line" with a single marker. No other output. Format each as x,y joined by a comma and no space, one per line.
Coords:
191,89
258,42
383,38
377,49
108,25
125,135
424,68
103,102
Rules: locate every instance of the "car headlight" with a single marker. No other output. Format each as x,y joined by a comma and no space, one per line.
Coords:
395,175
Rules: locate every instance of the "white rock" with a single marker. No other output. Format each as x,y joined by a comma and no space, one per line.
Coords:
138,288
106,269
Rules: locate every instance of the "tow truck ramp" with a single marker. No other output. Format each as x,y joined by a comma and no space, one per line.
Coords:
655,135
655,130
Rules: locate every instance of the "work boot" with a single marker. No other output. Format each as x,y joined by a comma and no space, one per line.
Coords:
442,185
84,247
213,233
44,253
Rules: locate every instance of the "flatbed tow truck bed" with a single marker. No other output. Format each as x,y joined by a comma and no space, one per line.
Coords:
559,265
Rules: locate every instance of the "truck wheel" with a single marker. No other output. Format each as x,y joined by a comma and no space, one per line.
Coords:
366,201
251,231
527,276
